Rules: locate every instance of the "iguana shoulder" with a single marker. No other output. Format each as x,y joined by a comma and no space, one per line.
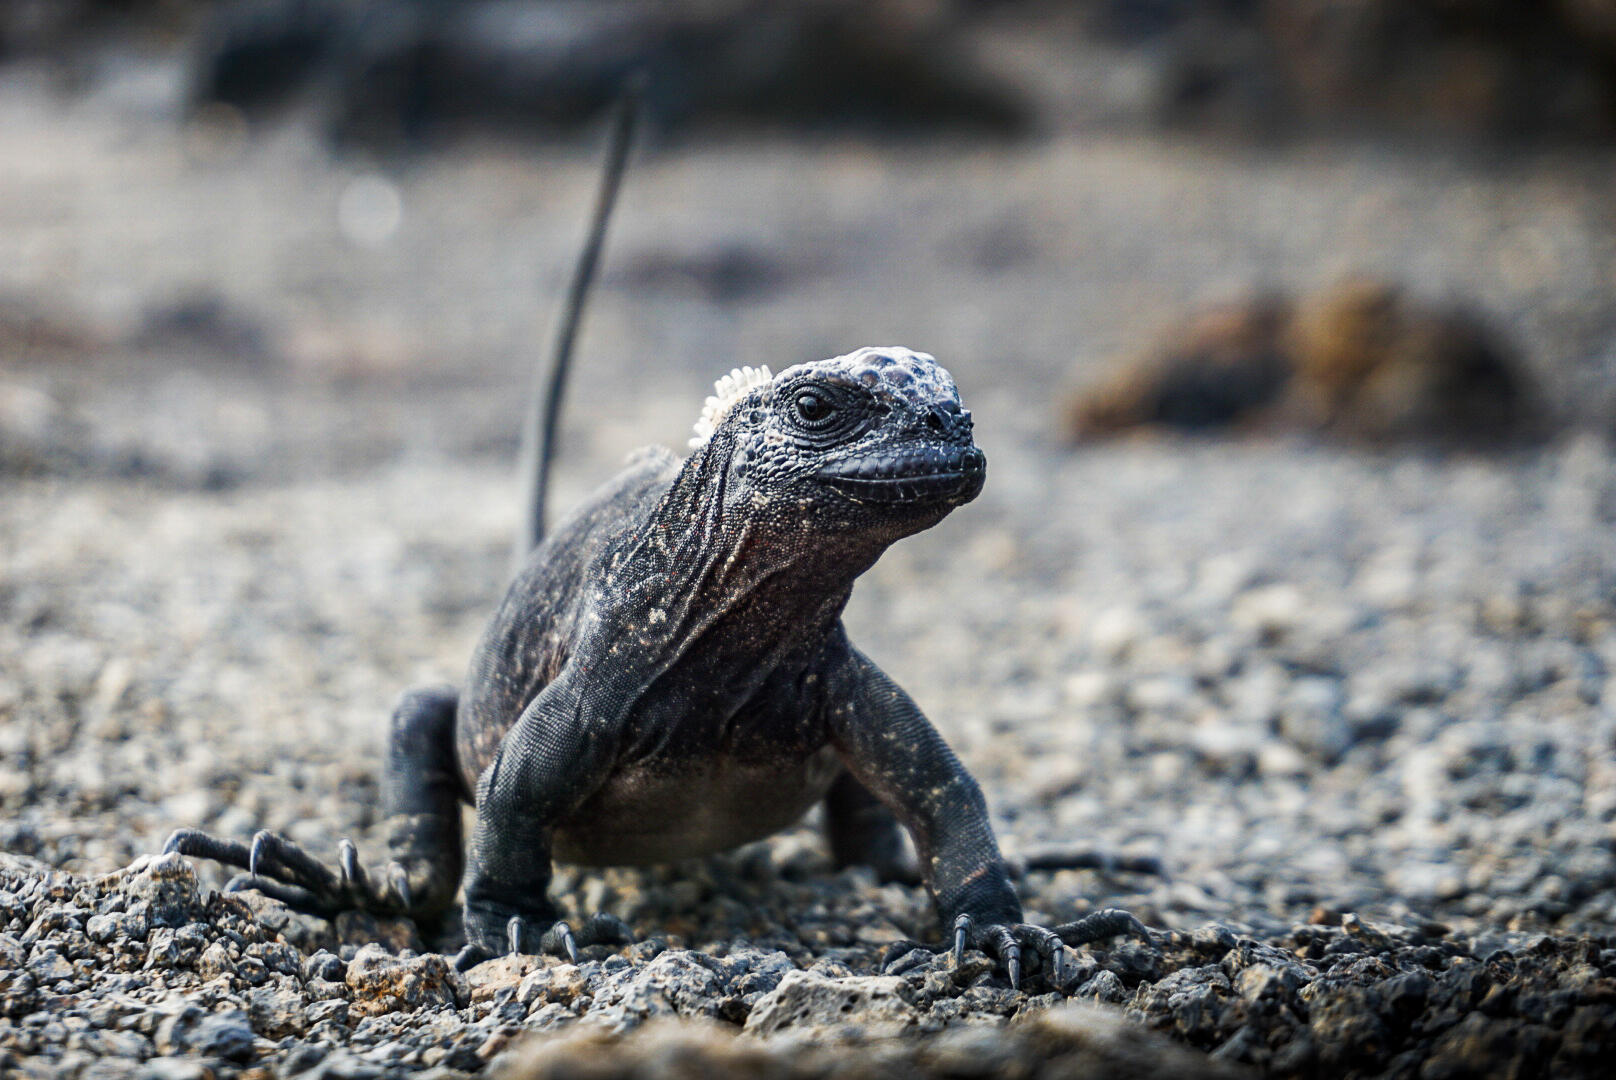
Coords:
527,642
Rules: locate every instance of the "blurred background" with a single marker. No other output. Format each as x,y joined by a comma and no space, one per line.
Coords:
1385,220
1289,330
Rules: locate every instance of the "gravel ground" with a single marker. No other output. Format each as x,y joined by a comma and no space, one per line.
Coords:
256,480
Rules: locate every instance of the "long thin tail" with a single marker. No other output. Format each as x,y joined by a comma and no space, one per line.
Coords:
549,383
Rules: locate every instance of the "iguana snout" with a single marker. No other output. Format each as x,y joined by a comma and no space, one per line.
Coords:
925,474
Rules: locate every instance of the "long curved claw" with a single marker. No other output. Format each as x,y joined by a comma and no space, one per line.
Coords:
1107,922
352,875
398,882
559,941
1049,948
1010,953
515,930
275,856
1060,964
498,930
259,853
962,933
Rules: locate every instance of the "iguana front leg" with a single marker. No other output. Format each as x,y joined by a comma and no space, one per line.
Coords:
549,762
890,747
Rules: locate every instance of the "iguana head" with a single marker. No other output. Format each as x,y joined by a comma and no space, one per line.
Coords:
876,436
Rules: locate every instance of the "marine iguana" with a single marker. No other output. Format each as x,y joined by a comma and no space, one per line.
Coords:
669,676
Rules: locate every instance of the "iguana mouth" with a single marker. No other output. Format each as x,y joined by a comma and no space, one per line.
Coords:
931,475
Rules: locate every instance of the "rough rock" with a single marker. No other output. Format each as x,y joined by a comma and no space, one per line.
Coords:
382,983
1072,1040
487,980
677,982
167,886
806,1002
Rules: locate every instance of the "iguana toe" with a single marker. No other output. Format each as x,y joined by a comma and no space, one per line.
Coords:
470,956
604,928
398,881
560,941
292,896
351,872
1107,922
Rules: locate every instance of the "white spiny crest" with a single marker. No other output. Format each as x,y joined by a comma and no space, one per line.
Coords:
726,392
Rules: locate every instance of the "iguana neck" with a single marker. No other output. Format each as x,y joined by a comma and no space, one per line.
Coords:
711,549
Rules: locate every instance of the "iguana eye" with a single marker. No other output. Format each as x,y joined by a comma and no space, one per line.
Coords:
813,408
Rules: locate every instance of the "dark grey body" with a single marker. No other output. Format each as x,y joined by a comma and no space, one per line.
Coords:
668,676
729,741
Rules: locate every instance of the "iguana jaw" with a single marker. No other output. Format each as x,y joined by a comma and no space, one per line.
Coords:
915,476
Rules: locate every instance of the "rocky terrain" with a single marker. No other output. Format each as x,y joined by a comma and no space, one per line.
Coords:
1344,715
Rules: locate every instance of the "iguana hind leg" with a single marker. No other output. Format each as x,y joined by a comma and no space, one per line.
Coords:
421,798
861,831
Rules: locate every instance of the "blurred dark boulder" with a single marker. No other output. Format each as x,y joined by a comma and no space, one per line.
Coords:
720,273
1595,18
1373,363
1222,367
1521,68
396,71
50,27
1360,360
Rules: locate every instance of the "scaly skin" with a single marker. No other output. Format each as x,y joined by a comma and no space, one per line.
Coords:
669,676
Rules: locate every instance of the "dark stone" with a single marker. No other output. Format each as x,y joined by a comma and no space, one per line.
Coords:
325,965
393,73
228,1035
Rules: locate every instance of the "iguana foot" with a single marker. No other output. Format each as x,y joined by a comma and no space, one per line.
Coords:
283,871
1009,942
491,933
1005,942
560,939
601,928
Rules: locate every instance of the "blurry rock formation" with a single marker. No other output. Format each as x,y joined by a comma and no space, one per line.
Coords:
1075,1039
394,71
1220,368
1360,360
53,27
720,273
390,72
1372,363
1522,68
